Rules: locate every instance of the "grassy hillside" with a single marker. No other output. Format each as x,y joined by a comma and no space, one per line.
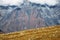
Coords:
47,33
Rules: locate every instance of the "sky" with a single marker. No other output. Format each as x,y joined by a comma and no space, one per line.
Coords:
18,2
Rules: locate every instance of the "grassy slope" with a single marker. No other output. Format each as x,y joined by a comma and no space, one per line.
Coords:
47,33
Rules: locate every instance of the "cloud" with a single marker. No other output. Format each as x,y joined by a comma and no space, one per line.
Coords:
49,2
10,2
18,2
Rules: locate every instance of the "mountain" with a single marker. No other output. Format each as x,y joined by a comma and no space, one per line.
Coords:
28,16
7,7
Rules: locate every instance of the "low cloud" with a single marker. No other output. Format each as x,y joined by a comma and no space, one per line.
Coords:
10,2
49,2
18,2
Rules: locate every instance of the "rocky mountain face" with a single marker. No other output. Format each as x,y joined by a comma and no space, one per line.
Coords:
14,18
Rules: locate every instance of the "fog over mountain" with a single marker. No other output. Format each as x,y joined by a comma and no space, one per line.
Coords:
18,2
28,15
11,2
49,2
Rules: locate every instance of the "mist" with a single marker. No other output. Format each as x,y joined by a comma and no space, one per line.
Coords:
49,2
11,2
